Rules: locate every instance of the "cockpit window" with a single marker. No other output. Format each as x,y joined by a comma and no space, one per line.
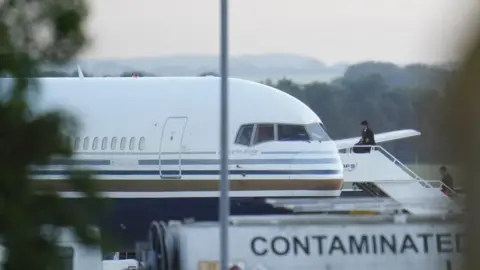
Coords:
292,133
126,255
244,135
264,133
251,134
317,132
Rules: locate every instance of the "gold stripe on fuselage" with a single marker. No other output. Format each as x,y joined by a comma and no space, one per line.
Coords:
195,185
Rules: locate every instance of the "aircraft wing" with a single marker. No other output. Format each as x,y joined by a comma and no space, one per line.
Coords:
379,138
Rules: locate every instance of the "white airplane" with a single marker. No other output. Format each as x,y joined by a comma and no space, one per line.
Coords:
153,144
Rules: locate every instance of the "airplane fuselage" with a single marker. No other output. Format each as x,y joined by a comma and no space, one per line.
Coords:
156,141
163,134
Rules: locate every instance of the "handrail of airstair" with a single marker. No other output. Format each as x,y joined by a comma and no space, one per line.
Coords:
455,197
436,184
424,183
439,184
396,161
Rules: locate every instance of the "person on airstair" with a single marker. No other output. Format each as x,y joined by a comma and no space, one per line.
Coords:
447,181
367,138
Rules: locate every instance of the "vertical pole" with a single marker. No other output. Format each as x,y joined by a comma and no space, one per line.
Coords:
224,207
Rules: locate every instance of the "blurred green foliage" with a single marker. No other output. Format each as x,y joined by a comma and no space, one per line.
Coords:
463,132
32,33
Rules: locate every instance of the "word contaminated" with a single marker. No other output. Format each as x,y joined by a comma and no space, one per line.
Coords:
361,244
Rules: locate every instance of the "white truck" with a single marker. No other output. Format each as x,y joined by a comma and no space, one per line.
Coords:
333,242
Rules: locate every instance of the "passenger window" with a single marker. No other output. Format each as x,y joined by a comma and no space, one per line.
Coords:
132,143
264,133
244,135
104,143
86,141
95,143
123,141
77,143
141,143
292,133
113,145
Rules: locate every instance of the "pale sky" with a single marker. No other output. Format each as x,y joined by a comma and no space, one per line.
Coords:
401,31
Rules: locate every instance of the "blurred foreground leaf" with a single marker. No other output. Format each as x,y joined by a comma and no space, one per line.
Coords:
462,114
34,33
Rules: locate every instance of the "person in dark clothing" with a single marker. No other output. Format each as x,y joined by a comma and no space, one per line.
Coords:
368,138
447,181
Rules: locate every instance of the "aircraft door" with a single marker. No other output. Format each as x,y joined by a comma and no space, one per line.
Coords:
170,156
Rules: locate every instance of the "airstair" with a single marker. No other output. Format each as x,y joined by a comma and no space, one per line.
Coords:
392,187
379,172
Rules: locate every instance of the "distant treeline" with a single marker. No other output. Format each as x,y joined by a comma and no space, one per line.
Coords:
388,96
387,103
